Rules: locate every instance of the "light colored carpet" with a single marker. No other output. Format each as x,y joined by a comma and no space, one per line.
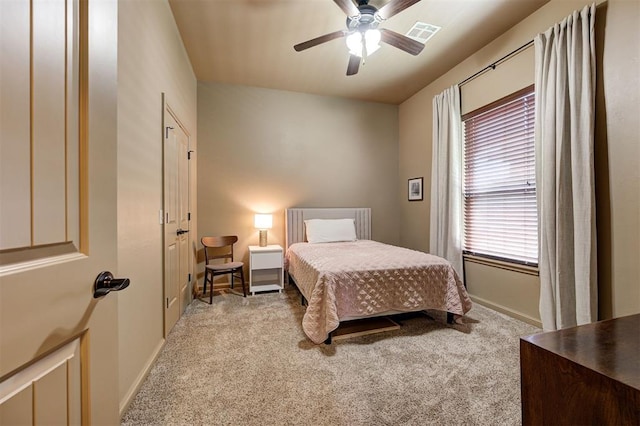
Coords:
246,361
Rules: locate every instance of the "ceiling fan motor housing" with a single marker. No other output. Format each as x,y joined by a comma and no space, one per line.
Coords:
368,18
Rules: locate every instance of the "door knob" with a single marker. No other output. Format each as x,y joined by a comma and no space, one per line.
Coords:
181,231
105,283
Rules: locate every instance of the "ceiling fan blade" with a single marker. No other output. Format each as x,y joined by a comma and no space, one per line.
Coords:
354,65
319,40
394,7
405,43
348,7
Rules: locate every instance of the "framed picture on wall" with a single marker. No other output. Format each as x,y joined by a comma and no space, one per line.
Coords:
415,189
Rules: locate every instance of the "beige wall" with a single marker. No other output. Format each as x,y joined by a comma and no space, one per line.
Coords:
264,150
617,155
151,60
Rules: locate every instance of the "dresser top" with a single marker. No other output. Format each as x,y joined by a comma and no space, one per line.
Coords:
610,347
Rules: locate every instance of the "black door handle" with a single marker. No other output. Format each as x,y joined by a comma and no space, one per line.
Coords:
105,283
181,231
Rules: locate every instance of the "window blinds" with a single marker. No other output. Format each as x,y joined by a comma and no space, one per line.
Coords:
500,217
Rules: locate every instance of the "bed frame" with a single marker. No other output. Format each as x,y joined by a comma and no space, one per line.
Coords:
294,221
295,233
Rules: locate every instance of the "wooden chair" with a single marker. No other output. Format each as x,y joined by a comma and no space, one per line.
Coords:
221,248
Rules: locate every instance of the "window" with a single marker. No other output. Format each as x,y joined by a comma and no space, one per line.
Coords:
500,217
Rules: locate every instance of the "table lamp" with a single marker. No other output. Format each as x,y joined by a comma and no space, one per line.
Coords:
263,222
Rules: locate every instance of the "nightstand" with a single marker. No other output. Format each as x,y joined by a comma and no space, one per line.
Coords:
265,268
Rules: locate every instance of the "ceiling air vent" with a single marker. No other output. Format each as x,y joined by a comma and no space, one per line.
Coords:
422,32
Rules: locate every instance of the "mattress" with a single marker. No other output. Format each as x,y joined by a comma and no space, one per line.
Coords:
366,278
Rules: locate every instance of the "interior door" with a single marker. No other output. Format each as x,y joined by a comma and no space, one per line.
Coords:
184,217
58,344
176,218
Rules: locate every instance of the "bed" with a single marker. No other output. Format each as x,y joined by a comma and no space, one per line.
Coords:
356,277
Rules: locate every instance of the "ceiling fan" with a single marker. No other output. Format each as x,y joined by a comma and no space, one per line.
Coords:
362,33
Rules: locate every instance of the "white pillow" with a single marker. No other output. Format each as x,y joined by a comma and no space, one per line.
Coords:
330,230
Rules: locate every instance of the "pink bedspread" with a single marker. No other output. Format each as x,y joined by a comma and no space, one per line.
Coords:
363,278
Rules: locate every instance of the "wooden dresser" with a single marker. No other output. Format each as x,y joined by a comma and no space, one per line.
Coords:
585,375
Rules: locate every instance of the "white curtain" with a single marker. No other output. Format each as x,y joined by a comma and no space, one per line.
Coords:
565,99
446,179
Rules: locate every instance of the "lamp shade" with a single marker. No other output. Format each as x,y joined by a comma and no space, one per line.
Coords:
263,221
371,39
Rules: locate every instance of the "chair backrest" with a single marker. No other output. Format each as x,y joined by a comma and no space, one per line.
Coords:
218,243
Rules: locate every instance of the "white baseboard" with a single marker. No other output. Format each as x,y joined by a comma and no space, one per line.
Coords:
507,311
135,387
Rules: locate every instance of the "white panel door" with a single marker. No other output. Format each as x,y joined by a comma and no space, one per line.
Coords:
171,226
58,344
183,217
176,218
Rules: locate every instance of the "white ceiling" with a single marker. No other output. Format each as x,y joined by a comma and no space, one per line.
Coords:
250,42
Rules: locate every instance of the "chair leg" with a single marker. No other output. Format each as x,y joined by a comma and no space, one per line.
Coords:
244,292
204,288
211,290
232,276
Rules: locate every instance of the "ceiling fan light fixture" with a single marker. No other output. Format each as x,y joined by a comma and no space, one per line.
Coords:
354,43
362,35
371,39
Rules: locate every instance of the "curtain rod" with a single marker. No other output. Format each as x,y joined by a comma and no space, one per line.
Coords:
498,62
